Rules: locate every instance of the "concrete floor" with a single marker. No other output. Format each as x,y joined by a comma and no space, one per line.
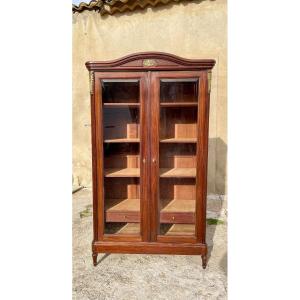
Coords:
135,276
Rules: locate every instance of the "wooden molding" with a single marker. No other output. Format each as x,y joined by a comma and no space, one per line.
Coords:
151,61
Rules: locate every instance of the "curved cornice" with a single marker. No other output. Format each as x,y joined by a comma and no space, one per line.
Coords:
151,61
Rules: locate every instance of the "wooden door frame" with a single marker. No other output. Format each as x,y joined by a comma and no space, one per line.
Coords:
201,155
98,157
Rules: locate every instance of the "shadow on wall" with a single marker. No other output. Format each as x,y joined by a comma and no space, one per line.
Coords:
218,160
217,165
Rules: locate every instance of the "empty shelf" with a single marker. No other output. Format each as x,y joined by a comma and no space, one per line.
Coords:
121,105
179,104
122,229
122,205
180,229
178,205
125,140
130,228
122,210
179,140
127,172
178,172
177,211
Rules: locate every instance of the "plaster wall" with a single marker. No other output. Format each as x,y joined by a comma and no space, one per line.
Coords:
188,29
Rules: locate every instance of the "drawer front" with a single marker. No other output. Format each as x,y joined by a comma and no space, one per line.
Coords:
177,218
132,217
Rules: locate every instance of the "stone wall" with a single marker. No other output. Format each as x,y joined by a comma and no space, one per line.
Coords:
189,29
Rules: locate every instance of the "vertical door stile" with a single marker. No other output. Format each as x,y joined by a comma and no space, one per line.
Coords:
154,92
144,159
142,156
202,154
148,123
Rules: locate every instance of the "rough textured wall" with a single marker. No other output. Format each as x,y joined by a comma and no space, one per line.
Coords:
190,30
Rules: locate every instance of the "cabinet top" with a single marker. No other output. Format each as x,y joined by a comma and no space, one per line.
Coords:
150,61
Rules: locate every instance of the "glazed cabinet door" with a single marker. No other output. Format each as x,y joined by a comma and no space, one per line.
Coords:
179,116
120,143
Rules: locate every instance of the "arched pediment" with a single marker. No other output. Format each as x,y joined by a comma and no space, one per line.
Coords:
151,61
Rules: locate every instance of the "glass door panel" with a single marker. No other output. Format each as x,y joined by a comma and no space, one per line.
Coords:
122,155
178,109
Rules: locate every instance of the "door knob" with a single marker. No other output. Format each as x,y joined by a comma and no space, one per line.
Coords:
154,160
144,160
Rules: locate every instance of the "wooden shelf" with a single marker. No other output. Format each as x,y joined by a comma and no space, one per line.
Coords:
177,205
180,229
122,210
128,210
178,104
179,140
121,105
125,140
122,205
126,172
168,205
177,172
130,228
177,211
122,229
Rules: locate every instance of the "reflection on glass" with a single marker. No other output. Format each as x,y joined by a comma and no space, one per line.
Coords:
121,124
121,145
120,91
178,124
177,163
181,90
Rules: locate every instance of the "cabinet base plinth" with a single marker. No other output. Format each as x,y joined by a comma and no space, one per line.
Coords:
150,248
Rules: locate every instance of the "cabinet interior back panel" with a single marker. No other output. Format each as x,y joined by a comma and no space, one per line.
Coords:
121,188
181,156
121,123
178,188
122,155
178,91
120,92
178,123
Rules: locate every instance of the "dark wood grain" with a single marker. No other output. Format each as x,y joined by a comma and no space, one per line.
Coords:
186,150
164,61
202,157
149,248
154,134
98,131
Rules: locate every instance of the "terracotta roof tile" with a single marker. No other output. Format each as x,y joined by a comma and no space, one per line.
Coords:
112,6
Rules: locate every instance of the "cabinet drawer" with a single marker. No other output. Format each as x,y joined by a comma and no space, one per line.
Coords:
177,217
132,217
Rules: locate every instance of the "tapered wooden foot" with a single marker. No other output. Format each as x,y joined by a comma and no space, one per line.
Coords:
95,259
204,261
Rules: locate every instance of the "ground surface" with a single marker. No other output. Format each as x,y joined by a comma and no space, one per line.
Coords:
134,276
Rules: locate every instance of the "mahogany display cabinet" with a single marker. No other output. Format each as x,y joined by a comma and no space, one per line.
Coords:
149,116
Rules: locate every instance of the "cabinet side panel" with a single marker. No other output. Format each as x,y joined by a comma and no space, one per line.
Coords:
98,129
202,156
94,164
